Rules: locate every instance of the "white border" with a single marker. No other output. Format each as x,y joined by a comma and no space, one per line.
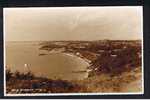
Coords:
4,54
67,94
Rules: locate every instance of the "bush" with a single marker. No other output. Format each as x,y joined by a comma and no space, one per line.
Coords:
9,74
23,76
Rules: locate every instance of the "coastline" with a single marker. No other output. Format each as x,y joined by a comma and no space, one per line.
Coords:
70,54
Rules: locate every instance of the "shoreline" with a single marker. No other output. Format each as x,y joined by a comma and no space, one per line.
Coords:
87,70
70,54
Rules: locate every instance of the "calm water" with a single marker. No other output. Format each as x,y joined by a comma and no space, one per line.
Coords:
24,56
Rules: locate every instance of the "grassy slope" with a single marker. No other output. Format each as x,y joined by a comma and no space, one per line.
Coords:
125,82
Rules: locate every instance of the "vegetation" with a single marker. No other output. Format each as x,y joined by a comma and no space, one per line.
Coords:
117,62
98,83
28,83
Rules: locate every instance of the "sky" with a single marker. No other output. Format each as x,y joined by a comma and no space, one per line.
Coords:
73,23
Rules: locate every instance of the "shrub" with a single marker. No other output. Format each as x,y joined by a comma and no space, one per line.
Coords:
9,74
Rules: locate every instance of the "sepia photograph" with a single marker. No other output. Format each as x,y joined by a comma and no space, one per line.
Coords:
73,50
